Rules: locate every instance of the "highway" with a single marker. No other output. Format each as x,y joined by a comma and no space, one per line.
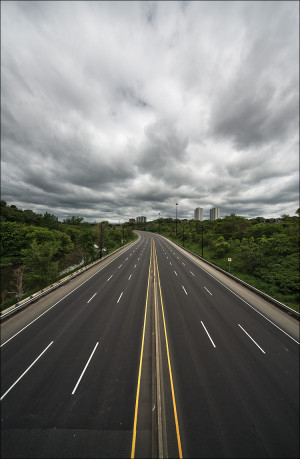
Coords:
151,356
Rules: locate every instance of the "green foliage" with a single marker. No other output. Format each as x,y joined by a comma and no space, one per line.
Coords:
50,221
12,239
86,242
40,242
65,242
13,214
17,236
232,226
41,270
73,233
41,235
115,239
220,246
73,220
266,252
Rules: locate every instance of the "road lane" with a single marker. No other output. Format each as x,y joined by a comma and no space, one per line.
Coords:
233,400
235,374
44,404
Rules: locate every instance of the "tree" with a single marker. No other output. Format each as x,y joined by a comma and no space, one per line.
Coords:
101,232
86,243
41,270
50,221
31,218
65,242
74,233
39,234
220,246
18,282
12,238
73,220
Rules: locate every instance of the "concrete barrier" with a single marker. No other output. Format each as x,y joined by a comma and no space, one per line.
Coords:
277,303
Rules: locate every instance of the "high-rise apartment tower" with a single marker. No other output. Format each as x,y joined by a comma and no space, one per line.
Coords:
141,219
198,214
214,213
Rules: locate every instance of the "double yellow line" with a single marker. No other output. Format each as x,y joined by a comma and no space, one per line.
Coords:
153,260
141,362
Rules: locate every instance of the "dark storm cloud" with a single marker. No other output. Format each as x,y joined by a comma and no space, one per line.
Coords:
164,147
260,103
118,109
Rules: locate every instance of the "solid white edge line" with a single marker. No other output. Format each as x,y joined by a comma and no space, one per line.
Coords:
73,392
251,339
208,334
244,301
62,298
25,371
92,297
120,297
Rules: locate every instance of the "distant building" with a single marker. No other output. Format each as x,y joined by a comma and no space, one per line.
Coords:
132,220
198,214
214,213
141,219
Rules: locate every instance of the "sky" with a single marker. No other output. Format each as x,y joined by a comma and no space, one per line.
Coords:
113,110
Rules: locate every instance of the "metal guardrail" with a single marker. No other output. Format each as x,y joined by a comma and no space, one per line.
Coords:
277,303
27,301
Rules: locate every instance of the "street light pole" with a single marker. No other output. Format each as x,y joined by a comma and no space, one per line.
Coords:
159,222
202,240
101,241
176,217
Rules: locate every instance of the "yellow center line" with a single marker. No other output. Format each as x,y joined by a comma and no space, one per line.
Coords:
141,361
169,363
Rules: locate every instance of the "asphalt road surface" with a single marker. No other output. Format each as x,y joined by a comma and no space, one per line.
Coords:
150,356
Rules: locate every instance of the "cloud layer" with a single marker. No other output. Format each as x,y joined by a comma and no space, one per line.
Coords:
112,110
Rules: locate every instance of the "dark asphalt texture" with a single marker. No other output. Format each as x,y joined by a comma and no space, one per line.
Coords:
235,374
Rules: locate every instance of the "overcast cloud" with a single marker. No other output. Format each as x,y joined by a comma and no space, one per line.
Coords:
111,110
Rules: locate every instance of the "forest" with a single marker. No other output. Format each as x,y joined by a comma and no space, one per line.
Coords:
263,252
34,244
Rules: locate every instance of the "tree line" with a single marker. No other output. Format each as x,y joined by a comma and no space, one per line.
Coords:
33,244
264,253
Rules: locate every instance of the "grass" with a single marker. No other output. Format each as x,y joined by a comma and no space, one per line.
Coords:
291,300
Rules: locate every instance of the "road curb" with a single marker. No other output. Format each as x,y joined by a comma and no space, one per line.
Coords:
277,303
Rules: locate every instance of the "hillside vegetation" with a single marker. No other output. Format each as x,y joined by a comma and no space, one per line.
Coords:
34,243
264,253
